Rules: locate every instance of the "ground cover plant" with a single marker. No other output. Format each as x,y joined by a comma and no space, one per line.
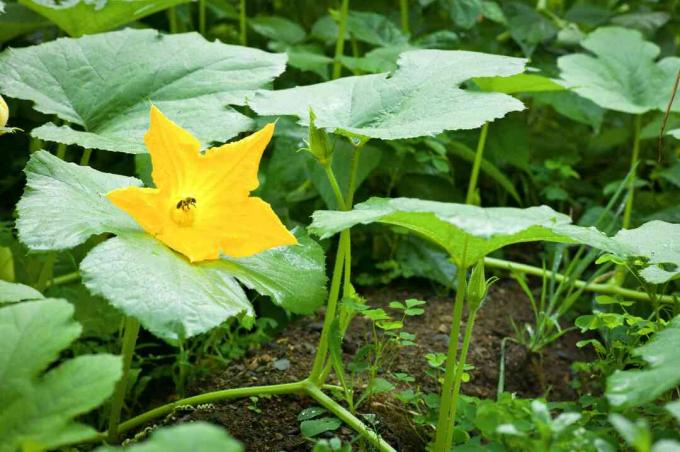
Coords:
334,226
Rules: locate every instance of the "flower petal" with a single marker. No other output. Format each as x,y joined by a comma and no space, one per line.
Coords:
145,205
174,151
234,165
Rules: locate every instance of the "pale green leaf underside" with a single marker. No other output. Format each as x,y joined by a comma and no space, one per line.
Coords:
198,436
421,98
64,204
659,243
38,409
621,73
15,292
630,388
467,233
80,17
104,85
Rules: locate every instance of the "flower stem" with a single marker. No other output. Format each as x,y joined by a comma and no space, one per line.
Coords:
474,173
447,395
335,186
403,7
340,41
348,418
201,17
242,22
635,155
331,308
131,330
460,368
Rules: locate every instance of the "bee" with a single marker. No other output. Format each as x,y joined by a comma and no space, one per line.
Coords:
186,203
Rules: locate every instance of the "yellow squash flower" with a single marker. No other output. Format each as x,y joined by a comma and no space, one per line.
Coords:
201,205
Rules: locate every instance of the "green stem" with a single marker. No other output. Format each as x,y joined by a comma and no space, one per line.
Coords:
331,308
609,289
46,273
215,396
85,158
474,174
201,17
242,22
61,151
64,279
635,156
348,418
356,157
172,20
403,7
340,41
335,186
447,395
128,349
460,368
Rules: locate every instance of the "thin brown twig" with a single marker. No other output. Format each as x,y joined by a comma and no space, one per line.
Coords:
666,115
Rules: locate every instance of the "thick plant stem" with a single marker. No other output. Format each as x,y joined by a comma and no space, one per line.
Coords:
460,368
349,419
61,151
215,396
242,22
403,8
85,158
172,20
128,349
609,289
335,186
447,395
635,156
331,308
474,173
340,42
201,17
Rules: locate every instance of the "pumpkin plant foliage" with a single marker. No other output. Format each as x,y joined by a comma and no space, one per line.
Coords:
37,408
80,17
622,73
120,74
140,276
420,98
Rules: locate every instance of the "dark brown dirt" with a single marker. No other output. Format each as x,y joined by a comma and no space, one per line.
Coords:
270,424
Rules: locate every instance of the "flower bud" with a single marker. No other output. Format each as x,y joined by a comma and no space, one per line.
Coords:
4,113
318,143
478,286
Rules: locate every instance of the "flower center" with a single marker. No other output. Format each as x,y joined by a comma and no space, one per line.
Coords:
183,212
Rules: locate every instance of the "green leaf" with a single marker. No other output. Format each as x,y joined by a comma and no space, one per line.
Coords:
64,204
120,74
527,27
630,388
421,98
467,233
464,12
277,29
175,299
199,436
674,409
97,317
519,83
37,409
78,18
14,292
18,20
621,74
374,29
658,243
314,427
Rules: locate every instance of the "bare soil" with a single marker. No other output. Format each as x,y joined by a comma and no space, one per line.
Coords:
270,424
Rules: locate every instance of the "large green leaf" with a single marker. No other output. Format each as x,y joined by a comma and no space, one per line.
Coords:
81,17
467,233
278,28
374,29
420,98
628,388
17,20
199,436
37,409
658,244
105,84
64,205
622,73
14,292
